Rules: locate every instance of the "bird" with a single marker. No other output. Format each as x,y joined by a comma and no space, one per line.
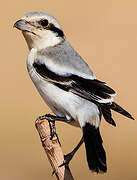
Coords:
68,86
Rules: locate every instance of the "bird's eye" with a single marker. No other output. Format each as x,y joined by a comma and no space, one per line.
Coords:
43,22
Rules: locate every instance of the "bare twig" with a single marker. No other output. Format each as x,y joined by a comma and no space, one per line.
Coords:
53,151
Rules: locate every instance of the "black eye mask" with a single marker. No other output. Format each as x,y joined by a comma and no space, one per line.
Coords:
59,32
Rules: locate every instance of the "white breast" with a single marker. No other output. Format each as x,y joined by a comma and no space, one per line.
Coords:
62,103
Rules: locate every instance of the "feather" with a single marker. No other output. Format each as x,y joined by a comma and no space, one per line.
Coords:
105,109
96,155
92,90
120,110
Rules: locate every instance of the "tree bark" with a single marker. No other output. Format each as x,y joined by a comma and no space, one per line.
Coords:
53,151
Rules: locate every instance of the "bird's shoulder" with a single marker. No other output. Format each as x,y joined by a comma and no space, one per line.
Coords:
63,59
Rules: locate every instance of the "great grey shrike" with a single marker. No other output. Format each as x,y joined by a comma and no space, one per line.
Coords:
67,84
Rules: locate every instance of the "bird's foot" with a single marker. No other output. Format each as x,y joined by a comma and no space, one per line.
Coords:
46,116
53,130
67,159
51,119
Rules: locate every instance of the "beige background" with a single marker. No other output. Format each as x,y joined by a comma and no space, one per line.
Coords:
104,32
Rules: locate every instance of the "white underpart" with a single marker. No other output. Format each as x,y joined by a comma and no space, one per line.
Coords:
30,59
63,103
51,40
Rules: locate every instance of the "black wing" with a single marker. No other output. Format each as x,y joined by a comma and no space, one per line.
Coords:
92,90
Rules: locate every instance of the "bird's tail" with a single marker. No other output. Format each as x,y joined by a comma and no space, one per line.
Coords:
120,110
96,156
106,111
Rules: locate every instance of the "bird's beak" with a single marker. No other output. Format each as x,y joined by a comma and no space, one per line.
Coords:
23,25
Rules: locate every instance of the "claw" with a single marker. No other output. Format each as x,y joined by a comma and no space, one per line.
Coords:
67,159
41,118
63,164
51,119
53,130
52,134
53,172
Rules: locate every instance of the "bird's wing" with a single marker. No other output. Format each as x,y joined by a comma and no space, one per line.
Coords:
92,90
64,59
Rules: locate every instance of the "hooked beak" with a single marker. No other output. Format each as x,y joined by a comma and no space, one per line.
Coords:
24,26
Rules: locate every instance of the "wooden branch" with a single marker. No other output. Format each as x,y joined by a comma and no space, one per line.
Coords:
53,151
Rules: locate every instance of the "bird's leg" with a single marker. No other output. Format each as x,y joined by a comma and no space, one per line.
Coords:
51,119
70,155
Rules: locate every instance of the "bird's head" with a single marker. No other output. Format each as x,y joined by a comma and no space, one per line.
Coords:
40,30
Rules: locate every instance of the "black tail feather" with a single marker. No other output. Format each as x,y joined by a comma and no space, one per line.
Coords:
120,110
105,109
96,156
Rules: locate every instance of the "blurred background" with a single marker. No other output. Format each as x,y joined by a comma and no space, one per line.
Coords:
105,35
